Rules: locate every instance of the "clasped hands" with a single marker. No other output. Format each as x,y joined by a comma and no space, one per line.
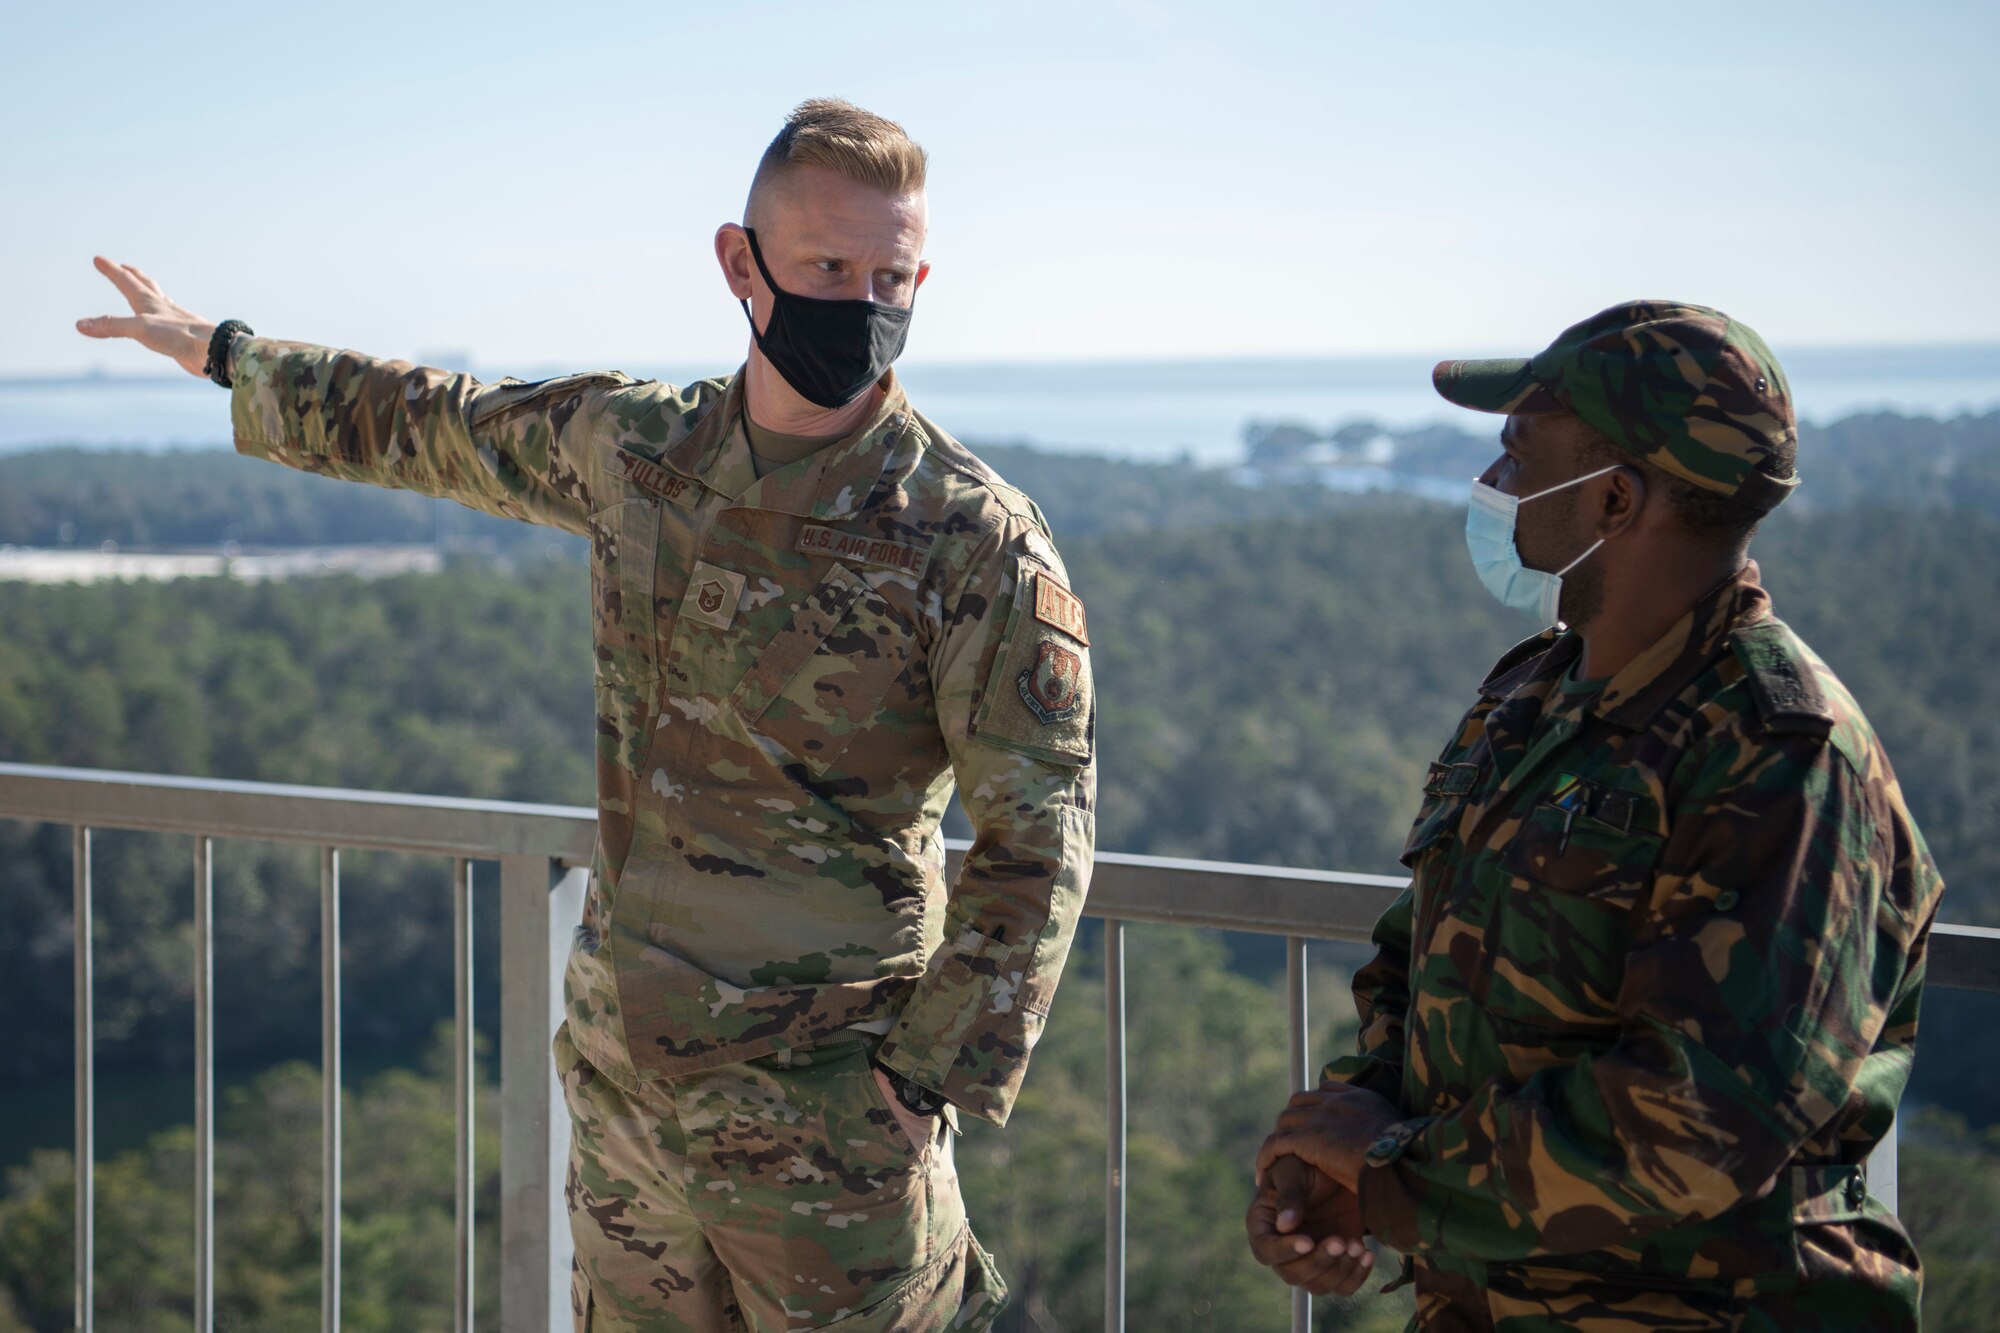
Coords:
1305,1221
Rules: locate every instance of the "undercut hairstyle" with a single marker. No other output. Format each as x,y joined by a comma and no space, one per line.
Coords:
1711,516
839,136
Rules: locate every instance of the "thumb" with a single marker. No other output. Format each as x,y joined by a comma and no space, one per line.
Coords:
108,326
1291,1184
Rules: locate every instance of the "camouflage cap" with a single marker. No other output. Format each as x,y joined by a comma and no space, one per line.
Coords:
1686,388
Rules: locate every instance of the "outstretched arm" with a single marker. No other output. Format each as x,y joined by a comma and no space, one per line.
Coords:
516,450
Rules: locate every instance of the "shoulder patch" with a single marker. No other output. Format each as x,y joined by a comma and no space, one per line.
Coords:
1787,694
1039,697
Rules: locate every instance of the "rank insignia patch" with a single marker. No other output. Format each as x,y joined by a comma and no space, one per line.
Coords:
712,593
1050,686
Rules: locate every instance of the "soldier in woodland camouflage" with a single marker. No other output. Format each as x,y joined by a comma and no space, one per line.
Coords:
801,644
1651,997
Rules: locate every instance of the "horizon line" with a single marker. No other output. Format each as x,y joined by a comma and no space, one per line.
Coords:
99,375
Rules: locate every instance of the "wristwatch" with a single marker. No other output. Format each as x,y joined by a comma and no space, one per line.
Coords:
915,1097
1396,1140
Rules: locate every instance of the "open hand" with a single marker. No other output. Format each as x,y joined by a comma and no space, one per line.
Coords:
1308,1230
156,323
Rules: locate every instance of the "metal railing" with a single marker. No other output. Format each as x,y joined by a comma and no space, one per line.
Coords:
543,854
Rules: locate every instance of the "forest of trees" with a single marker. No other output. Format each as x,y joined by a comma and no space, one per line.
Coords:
1275,668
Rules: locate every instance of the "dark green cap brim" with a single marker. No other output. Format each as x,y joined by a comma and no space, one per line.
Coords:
1490,386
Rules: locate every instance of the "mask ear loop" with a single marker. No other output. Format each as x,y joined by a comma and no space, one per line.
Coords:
1580,559
1573,481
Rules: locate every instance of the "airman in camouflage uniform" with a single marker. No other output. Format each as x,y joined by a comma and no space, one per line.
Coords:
793,667
1651,996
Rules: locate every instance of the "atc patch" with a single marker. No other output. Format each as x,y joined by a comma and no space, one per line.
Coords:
1051,686
1058,606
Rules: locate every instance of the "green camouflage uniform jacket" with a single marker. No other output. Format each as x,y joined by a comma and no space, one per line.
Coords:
789,673
1651,997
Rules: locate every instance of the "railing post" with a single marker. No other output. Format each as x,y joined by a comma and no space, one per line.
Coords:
1298,1025
462,1038
1114,1144
84,1298
329,1075
540,905
204,1085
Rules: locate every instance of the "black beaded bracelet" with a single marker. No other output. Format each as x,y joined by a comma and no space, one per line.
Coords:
217,366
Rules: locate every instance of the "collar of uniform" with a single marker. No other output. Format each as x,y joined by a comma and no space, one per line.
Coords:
1645,684
871,465
839,481
695,454
1529,659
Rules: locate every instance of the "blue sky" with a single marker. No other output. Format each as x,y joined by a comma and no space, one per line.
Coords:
1123,180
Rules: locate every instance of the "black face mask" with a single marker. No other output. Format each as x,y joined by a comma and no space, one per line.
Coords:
829,351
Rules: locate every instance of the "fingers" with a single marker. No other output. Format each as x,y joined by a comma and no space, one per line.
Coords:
141,278
108,326
1266,1243
128,286
1344,1277
1330,1274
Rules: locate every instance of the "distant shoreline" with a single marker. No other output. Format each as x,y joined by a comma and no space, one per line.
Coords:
1903,357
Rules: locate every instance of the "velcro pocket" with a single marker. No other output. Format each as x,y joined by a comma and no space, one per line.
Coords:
624,559
1040,699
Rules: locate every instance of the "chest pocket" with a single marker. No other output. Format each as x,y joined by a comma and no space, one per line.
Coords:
1564,895
1588,841
624,560
822,680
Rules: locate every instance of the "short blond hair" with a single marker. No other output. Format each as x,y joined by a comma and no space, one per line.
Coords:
843,138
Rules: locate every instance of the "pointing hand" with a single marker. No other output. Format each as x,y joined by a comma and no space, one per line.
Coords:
156,322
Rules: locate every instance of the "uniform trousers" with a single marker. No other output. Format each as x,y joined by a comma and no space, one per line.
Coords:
776,1194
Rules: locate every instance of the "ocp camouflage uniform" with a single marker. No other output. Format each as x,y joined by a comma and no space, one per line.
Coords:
790,672
1651,997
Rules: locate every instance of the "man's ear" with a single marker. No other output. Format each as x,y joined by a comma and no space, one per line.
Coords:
732,252
1625,497
923,271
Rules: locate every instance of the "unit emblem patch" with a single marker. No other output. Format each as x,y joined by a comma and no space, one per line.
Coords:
1050,686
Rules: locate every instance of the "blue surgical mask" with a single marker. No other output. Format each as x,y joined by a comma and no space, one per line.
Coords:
1489,536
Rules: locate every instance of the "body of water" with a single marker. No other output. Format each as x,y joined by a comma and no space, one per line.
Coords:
1147,410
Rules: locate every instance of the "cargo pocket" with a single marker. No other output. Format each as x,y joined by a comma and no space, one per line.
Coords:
958,1292
823,680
